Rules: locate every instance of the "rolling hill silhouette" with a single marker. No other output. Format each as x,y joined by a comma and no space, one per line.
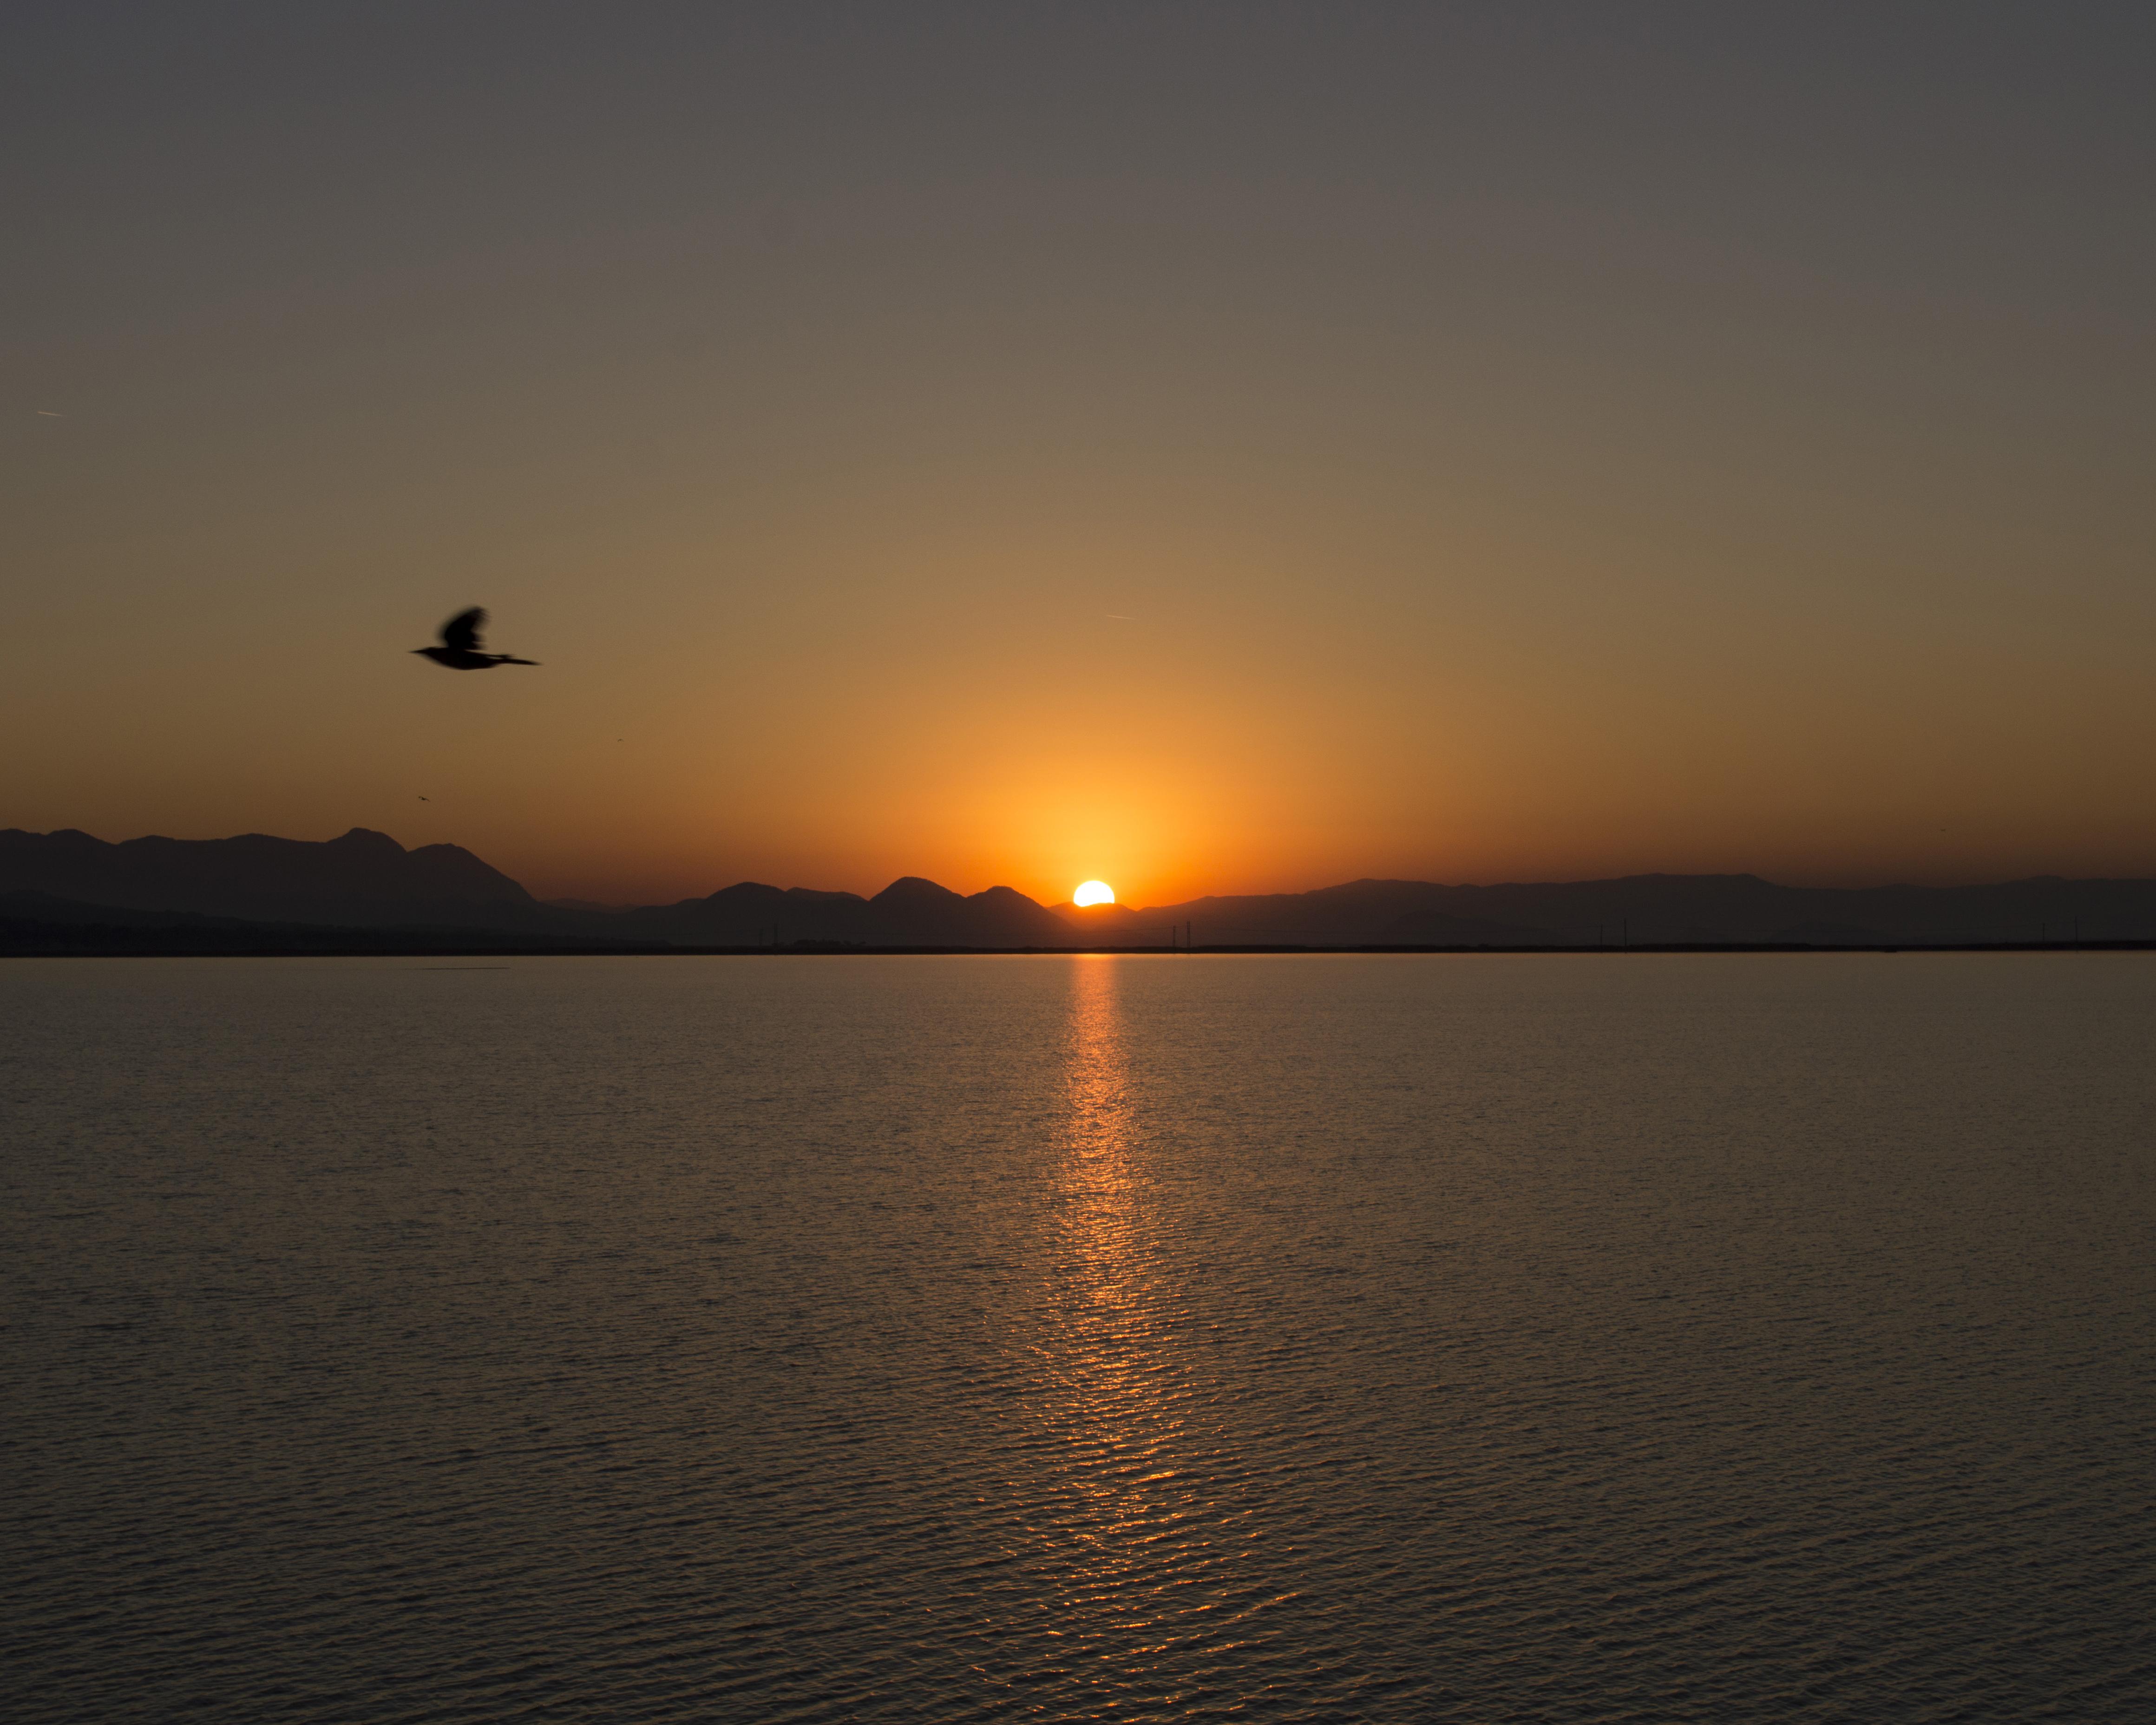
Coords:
363,879
366,880
1678,909
39,923
1362,913
909,912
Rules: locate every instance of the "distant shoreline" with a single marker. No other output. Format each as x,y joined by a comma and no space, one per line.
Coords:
66,892
832,950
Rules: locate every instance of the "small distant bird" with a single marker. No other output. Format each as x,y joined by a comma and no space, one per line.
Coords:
460,650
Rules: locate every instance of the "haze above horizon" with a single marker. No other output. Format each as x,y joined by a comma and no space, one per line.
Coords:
1207,450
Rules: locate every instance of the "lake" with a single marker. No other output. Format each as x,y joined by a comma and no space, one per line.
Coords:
1624,1338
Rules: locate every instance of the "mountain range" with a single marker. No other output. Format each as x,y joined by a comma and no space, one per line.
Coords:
364,879
367,881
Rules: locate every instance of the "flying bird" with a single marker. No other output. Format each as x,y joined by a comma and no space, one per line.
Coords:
460,650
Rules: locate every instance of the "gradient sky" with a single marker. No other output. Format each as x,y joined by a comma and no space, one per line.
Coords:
1214,447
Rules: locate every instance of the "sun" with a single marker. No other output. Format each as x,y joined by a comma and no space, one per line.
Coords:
1094,892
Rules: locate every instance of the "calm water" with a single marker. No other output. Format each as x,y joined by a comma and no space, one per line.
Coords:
1629,1339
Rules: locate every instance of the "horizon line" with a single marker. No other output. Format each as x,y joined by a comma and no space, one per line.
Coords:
1065,906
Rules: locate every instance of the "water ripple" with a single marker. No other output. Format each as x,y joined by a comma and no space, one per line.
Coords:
1103,1338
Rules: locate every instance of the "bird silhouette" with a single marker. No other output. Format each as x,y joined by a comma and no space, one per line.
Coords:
460,650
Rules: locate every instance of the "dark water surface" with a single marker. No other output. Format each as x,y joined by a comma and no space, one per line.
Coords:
1627,1338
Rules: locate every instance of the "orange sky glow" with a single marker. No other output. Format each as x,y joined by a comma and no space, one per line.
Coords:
1513,457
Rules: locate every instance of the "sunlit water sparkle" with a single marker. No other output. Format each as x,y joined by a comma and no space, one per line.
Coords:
1626,1338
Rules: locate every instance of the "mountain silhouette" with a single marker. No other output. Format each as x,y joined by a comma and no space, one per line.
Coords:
1364,913
909,912
39,923
366,880
1674,910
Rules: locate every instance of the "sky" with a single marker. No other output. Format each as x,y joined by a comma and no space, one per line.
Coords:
1210,448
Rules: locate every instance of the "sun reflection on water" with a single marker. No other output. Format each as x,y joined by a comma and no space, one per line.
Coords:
1100,1225
1133,1527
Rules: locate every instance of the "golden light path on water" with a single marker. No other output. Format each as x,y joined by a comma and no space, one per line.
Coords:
1133,1522
916,1340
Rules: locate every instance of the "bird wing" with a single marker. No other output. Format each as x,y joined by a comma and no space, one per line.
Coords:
461,631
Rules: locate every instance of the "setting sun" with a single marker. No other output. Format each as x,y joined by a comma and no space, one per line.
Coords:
1094,892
